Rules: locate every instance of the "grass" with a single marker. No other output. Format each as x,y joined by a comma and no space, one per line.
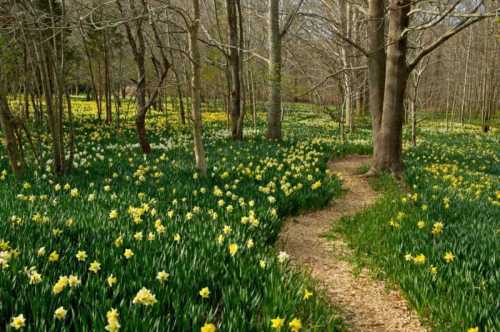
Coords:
450,276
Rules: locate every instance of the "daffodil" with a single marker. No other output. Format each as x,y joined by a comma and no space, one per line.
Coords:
128,253
113,215
95,267
449,257
162,276
233,249
145,297
419,259
277,323
81,255
53,257
208,327
437,228
18,322
60,313
113,321
295,325
35,278
204,292
111,280
74,281
60,285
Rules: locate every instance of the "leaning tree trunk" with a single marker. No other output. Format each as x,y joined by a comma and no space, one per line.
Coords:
274,111
389,138
376,67
199,151
8,127
140,118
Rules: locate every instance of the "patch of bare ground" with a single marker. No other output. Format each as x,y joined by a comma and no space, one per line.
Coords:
366,303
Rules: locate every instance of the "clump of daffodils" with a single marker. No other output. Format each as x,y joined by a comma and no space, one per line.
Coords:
144,297
113,322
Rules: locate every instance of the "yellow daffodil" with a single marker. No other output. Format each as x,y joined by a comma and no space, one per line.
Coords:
277,323
295,325
233,249
419,259
18,322
53,257
437,228
81,255
73,281
448,257
208,327
128,253
162,276
60,313
204,292
95,267
111,280
144,297
113,322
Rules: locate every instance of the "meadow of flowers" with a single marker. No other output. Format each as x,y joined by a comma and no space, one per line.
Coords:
128,242
439,240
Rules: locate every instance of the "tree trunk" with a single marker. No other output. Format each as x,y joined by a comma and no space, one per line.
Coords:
389,138
466,77
199,151
234,66
140,119
274,111
345,52
10,142
107,80
376,67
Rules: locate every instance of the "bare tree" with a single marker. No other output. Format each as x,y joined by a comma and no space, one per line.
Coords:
193,28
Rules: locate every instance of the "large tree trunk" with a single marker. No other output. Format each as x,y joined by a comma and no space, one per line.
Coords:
9,132
199,151
389,138
274,111
234,66
376,67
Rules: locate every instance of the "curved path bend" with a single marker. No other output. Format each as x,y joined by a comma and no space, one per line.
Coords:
366,304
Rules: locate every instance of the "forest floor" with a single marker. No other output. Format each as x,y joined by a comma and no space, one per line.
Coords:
367,304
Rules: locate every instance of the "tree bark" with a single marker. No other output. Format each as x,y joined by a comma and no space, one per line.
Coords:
107,80
10,142
376,67
274,111
234,65
389,138
199,151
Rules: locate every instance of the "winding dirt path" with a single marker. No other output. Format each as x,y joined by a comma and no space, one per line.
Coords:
366,304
